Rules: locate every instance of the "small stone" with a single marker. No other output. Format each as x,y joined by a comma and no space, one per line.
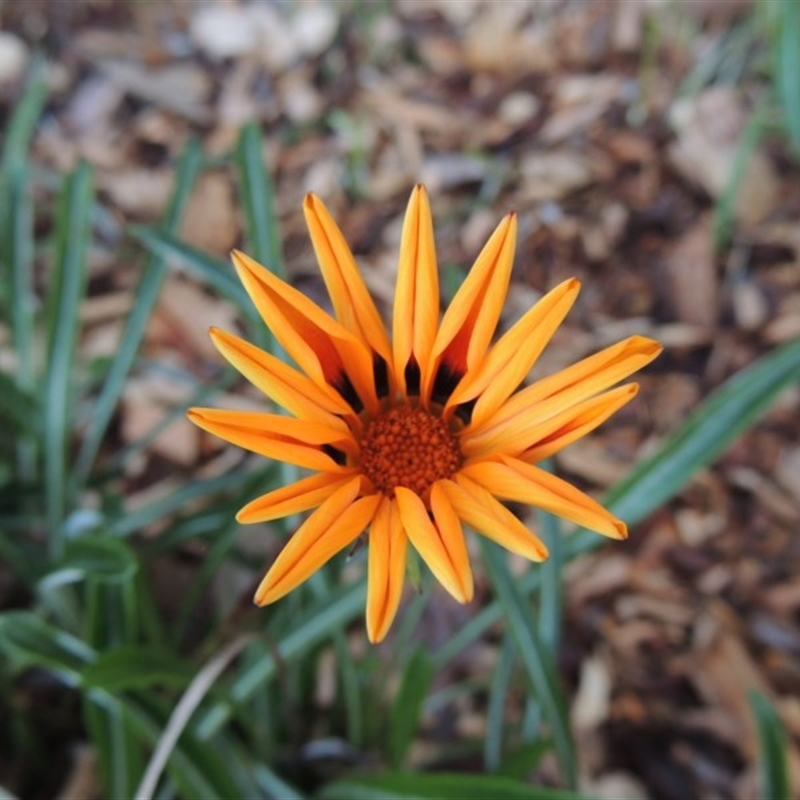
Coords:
518,108
223,31
13,57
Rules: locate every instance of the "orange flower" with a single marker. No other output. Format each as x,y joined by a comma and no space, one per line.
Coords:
413,437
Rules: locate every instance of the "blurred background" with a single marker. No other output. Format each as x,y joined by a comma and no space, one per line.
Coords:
651,149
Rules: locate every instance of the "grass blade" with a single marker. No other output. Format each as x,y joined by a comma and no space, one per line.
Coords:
442,786
321,618
787,68
496,707
405,712
72,245
211,271
23,122
536,659
258,199
146,297
772,744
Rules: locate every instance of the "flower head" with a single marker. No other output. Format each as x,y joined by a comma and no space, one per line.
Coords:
414,437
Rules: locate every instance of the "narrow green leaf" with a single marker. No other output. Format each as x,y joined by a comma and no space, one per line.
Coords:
496,708
16,254
146,297
27,112
524,759
552,585
216,274
320,619
404,715
274,787
118,746
196,768
772,745
72,245
175,501
99,558
442,786
537,660
787,68
258,198
136,667
18,410
34,643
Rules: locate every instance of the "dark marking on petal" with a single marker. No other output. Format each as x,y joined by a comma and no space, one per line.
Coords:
380,371
339,456
412,376
345,387
445,382
464,411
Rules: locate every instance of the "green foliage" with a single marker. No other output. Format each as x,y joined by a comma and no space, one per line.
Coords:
186,700
443,786
772,741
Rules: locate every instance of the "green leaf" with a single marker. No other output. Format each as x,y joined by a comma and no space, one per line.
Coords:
215,273
64,301
258,198
18,410
136,520
406,709
786,49
314,627
27,112
536,659
31,642
136,667
772,745
118,746
496,708
146,296
96,558
442,786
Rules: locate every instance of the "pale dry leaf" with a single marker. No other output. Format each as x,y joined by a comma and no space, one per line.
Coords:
591,703
211,221
691,276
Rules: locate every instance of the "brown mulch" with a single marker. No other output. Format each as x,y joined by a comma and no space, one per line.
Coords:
574,115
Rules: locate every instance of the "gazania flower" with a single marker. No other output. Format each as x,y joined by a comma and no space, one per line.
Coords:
413,437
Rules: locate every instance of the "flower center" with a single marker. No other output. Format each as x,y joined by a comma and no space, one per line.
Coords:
410,447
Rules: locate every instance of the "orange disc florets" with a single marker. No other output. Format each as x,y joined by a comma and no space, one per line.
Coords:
410,447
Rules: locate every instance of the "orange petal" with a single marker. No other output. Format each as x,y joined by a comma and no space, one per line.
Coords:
550,418
325,350
331,528
351,299
289,388
387,569
294,498
470,320
572,385
294,441
512,357
512,479
440,541
479,509
416,301
579,421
